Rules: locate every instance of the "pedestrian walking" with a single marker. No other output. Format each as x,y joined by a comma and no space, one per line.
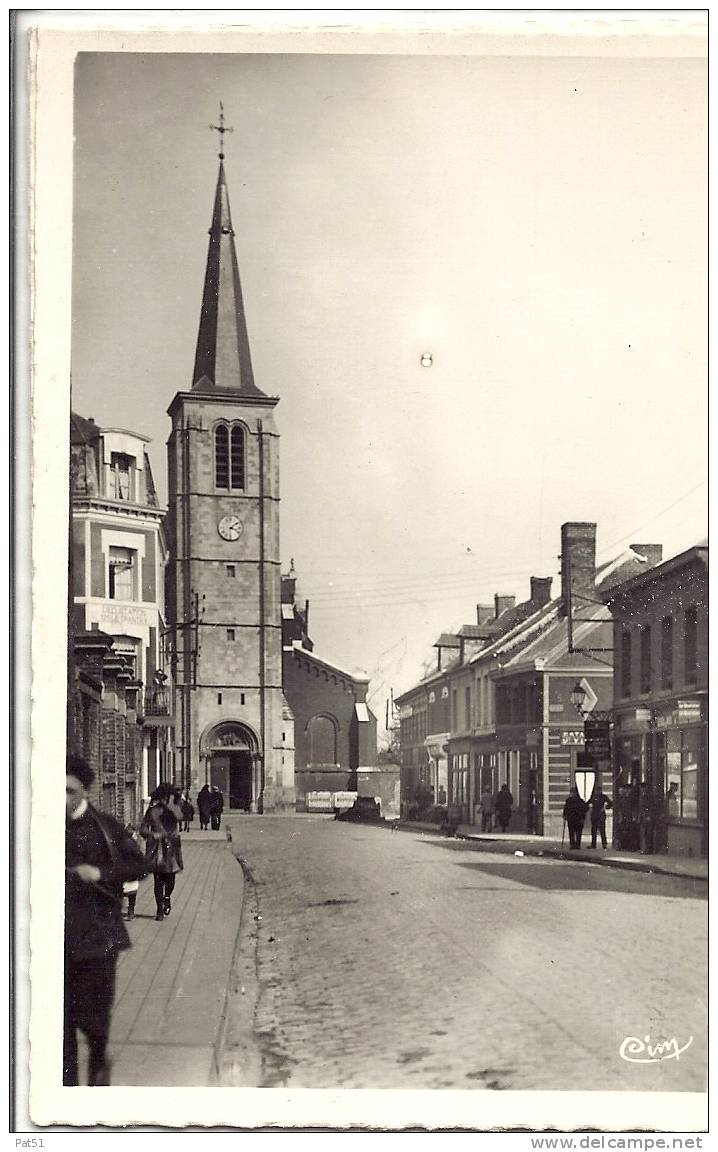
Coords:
574,813
130,888
216,808
204,806
187,812
600,804
503,803
99,856
160,829
486,808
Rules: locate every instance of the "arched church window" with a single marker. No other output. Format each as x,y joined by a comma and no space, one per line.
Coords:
229,456
237,457
221,456
322,740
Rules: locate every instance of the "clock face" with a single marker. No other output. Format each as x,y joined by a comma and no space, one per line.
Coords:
230,528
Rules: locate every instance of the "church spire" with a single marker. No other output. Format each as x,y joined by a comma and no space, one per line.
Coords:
223,360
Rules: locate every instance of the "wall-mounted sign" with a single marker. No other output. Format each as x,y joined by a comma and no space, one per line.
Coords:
597,735
643,715
689,709
574,738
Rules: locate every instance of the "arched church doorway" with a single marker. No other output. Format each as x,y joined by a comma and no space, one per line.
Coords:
232,755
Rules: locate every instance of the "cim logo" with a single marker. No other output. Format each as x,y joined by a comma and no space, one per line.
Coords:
637,1051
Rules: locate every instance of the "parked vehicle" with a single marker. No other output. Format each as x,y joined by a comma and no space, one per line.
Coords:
364,809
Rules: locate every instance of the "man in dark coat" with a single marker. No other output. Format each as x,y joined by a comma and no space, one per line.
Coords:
600,803
204,806
503,803
216,808
99,855
574,813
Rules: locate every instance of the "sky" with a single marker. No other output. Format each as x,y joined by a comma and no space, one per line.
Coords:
536,224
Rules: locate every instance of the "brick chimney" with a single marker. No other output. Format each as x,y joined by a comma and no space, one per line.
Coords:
484,612
540,590
501,603
578,566
652,552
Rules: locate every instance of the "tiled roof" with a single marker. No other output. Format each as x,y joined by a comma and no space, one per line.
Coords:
473,631
82,431
447,640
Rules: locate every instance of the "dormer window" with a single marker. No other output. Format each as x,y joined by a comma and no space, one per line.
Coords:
121,469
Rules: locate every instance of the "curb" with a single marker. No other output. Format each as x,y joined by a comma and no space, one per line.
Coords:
625,864
239,1064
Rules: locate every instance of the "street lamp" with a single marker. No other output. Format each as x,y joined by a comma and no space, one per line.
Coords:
596,727
578,697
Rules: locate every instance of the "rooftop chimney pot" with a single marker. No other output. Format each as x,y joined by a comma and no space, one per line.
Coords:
578,565
501,603
541,589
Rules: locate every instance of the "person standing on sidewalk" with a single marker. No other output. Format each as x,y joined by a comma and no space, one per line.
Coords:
600,804
187,811
99,856
503,804
216,808
204,805
574,813
487,809
163,850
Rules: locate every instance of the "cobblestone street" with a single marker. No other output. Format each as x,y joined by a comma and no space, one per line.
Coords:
401,960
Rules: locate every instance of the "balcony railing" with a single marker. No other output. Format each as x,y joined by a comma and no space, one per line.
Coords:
158,702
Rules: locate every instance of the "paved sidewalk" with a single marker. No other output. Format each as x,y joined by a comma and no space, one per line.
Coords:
691,867
172,983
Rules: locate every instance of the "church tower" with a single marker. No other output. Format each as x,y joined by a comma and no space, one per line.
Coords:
223,594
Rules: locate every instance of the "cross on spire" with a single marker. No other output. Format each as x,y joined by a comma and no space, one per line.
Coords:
221,128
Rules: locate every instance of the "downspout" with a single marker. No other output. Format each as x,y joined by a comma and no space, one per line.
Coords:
545,751
186,608
262,685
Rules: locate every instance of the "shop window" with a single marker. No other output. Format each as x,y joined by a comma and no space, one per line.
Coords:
683,759
122,573
646,679
626,663
690,643
667,652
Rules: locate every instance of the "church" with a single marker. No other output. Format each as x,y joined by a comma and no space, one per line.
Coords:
234,711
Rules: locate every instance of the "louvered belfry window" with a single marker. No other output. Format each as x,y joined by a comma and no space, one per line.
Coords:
221,456
237,457
229,456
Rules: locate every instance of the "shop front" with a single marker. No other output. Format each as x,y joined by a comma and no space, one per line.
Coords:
661,778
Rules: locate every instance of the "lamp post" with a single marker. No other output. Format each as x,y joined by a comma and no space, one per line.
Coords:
597,739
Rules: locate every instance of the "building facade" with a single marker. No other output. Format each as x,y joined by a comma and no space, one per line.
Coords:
334,729
118,564
509,717
660,637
